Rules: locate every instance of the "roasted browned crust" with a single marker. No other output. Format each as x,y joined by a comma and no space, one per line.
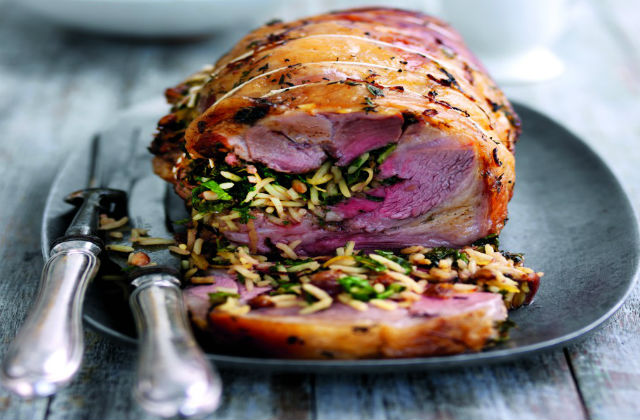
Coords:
286,338
456,95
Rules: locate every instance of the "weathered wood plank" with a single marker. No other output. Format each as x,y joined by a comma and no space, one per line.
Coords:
606,366
539,388
41,118
600,103
22,199
103,390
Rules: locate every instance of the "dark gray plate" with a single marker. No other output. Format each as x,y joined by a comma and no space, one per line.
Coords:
569,216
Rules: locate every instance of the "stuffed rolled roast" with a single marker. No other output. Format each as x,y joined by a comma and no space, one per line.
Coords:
340,171
374,125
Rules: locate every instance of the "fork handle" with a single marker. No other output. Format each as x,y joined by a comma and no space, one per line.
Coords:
173,375
47,352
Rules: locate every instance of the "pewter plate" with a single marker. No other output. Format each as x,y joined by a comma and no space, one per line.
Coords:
569,216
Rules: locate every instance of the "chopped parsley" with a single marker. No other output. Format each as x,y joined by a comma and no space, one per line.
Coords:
391,290
374,198
332,200
491,239
369,263
392,180
398,260
357,164
244,214
293,263
284,288
218,298
516,257
358,288
212,185
386,151
440,253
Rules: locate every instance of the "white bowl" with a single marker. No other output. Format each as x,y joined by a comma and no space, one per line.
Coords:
154,18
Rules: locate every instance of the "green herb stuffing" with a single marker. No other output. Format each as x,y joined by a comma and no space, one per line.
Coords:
293,263
205,206
491,239
440,253
369,263
284,287
517,257
205,176
392,180
333,199
391,290
355,166
386,152
212,185
244,214
398,260
218,298
358,288
374,198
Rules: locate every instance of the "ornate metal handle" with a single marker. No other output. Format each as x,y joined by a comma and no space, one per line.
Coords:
173,376
47,352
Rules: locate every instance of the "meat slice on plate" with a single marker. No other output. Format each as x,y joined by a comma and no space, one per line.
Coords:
431,326
375,125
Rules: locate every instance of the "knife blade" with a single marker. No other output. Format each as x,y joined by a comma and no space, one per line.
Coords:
173,375
47,351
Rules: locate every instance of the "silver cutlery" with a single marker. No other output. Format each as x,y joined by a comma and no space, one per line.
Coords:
48,349
173,375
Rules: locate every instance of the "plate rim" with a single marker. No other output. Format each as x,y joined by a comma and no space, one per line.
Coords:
431,363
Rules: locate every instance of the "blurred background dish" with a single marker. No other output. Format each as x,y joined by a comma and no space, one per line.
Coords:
154,18
511,38
191,18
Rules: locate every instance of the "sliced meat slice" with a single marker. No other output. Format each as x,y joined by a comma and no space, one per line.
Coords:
431,326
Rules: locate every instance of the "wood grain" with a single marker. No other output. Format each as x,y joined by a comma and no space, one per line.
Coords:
607,366
603,78
57,87
540,388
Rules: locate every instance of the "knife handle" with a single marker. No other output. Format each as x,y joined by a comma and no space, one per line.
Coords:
173,375
47,352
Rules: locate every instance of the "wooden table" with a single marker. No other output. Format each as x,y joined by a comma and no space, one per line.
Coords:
57,87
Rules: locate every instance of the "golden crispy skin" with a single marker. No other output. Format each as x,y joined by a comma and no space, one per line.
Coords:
274,337
413,63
